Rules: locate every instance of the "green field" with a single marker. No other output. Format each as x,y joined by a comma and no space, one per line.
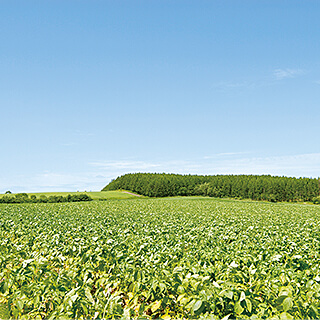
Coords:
177,258
95,195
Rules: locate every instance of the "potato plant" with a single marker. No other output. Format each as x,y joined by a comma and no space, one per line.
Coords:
160,258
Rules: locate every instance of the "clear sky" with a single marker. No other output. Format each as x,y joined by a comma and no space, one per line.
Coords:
94,89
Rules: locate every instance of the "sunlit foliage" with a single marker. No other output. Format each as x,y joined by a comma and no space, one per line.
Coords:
160,258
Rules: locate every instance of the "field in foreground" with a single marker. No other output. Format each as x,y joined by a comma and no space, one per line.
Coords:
167,258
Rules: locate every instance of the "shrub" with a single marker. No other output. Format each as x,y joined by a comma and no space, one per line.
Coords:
43,199
24,198
78,197
316,200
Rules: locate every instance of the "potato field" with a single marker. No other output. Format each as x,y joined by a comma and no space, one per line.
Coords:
170,258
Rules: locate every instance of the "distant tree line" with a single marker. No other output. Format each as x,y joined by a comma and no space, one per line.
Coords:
264,187
24,198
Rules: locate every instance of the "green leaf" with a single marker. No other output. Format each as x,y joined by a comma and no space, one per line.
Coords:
286,316
156,305
287,304
190,304
284,291
26,262
314,309
238,308
74,297
242,296
228,294
141,308
19,304
162,287
197,306
89,295
249,305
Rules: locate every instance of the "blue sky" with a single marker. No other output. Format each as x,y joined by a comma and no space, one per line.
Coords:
94,89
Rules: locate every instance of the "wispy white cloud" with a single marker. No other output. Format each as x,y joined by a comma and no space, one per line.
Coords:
55,181
301,165
225,85
224,154
99,173
281,74
140,166
266,81
123,164
83,134
50,179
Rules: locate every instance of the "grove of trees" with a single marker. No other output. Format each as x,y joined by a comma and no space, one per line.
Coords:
255,187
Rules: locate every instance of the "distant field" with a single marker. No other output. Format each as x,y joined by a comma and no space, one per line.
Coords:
98,195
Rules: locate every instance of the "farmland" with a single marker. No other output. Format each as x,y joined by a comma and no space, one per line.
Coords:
160,258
